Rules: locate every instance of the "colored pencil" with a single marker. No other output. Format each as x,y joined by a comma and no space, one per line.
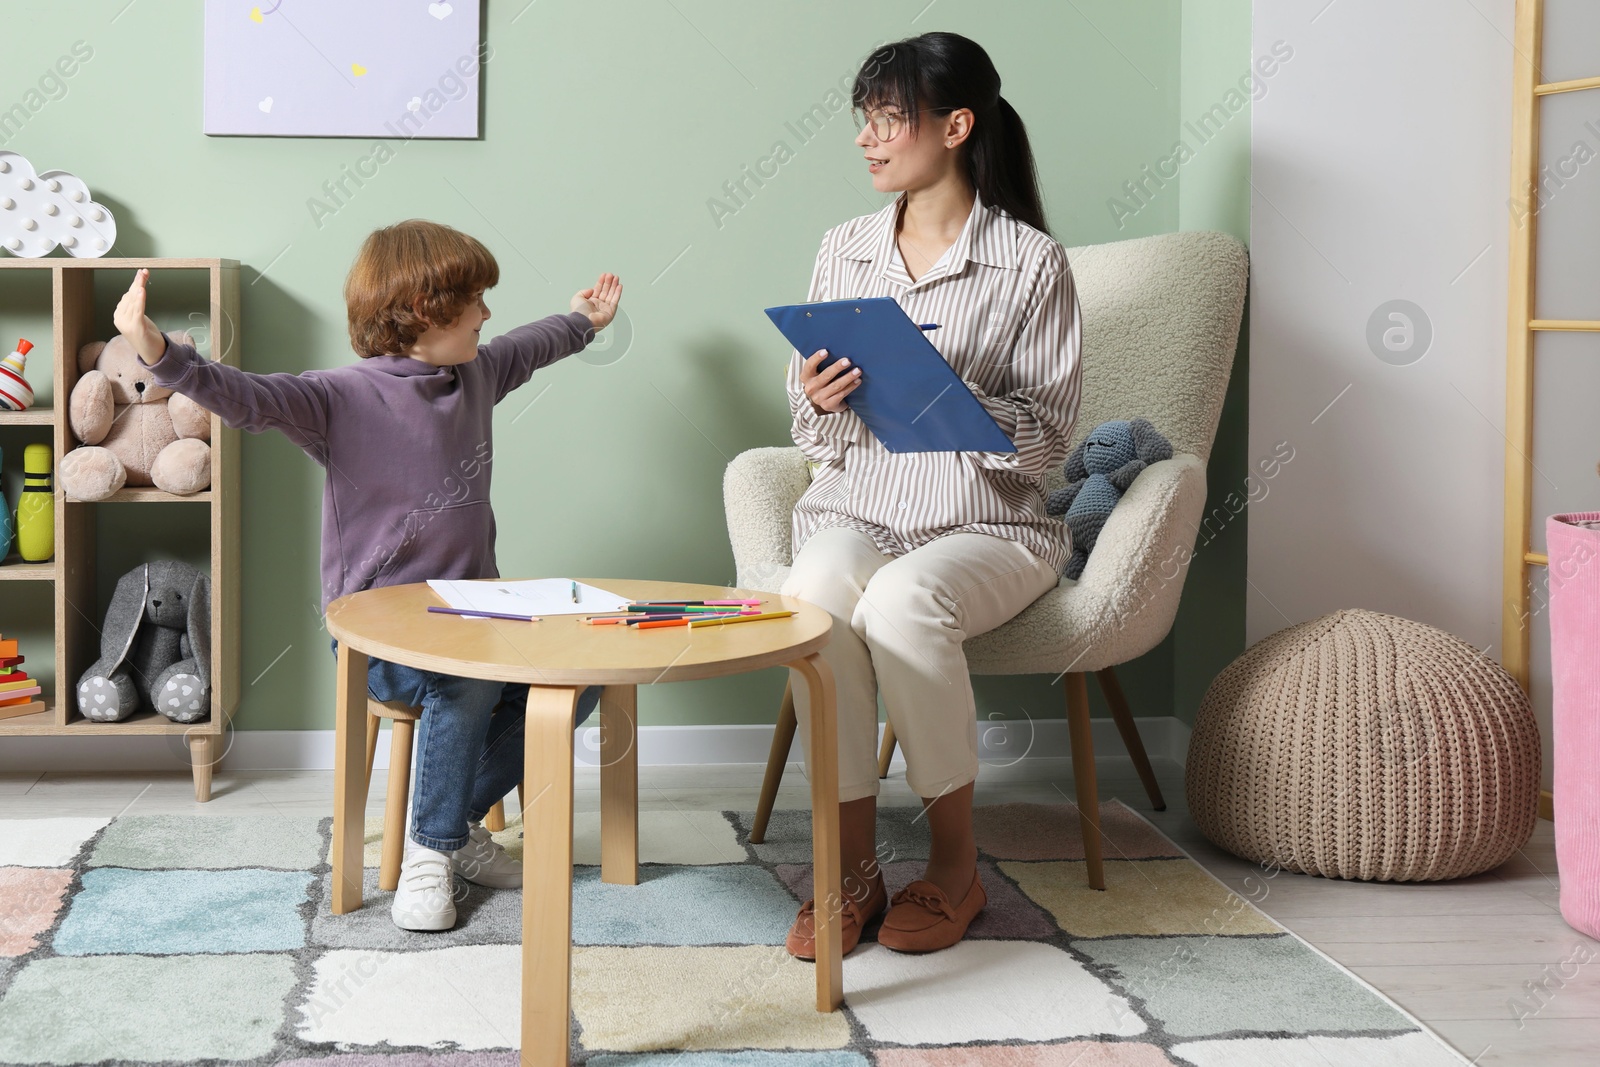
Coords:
676,609
639,620
714,620
741,618
483,614
635,620
644,622
672,603
630,614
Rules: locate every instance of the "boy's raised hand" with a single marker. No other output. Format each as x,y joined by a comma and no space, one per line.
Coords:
134,324
599,302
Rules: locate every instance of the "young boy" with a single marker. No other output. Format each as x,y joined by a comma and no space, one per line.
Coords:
405,436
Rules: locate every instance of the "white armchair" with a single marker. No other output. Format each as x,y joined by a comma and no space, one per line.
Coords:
1160,323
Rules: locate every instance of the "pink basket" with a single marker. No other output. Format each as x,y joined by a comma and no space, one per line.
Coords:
1573,541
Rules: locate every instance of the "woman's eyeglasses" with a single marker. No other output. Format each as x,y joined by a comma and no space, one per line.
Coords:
886,124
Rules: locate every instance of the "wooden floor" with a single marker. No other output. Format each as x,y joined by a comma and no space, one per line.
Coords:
1486,961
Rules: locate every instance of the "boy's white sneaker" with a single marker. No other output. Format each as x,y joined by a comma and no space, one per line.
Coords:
484,861
423,899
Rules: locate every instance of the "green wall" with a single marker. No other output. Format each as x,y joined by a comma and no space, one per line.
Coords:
607,142
1214,194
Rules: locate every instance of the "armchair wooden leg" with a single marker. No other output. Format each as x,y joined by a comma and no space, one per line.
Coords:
886,749
777,755
1112,689
394,805
522,796
1083,776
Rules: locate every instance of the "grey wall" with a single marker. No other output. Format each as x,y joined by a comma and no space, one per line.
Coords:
1381,162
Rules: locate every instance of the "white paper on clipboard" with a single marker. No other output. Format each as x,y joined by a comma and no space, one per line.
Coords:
533,596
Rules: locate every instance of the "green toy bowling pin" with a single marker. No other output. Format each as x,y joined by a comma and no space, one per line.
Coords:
36,510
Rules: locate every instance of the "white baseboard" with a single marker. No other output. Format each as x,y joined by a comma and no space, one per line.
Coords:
1000,742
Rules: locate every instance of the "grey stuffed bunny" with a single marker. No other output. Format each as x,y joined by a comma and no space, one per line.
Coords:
155,648
1098,472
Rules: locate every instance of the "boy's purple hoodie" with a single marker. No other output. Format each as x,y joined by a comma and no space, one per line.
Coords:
407,446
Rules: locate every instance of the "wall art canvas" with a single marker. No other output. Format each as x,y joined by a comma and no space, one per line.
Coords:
342,68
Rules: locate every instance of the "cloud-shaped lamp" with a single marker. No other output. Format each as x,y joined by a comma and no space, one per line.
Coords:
39,211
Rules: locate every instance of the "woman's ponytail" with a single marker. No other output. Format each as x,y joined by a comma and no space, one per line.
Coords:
1000,164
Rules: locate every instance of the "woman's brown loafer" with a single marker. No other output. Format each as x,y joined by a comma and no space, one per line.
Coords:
855,918
922,919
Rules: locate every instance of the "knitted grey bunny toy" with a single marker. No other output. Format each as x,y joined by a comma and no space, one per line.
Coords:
155,649
1098,472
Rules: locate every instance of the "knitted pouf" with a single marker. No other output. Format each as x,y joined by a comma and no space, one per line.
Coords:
1362,745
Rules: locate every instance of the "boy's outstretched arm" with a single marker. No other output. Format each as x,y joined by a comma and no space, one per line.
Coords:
517,353
296,405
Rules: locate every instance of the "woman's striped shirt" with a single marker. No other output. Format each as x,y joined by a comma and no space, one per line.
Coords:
1009,324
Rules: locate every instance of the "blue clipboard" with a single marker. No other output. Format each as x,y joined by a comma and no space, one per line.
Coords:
909,397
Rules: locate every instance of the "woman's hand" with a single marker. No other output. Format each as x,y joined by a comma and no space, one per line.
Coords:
131,321
599,302
827,389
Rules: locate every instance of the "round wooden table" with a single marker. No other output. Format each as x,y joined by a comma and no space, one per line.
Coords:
558,656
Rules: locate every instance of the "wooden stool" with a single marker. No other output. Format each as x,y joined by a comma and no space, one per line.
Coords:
495,820
403,717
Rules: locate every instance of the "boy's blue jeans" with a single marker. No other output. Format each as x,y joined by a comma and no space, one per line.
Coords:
469,745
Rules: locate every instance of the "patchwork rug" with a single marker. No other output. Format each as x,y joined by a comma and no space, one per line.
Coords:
175,939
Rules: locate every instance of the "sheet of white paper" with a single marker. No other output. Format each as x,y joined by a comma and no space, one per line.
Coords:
535,596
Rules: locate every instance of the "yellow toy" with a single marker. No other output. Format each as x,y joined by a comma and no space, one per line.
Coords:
36,510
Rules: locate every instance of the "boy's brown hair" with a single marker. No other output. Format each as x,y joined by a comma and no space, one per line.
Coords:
410,276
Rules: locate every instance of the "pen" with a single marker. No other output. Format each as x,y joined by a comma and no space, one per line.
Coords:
483,614
574,592
927,325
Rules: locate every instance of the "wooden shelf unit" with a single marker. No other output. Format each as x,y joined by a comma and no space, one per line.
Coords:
30,417
72,571
15,568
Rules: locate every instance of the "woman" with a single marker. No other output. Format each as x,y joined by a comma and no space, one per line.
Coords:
912,553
